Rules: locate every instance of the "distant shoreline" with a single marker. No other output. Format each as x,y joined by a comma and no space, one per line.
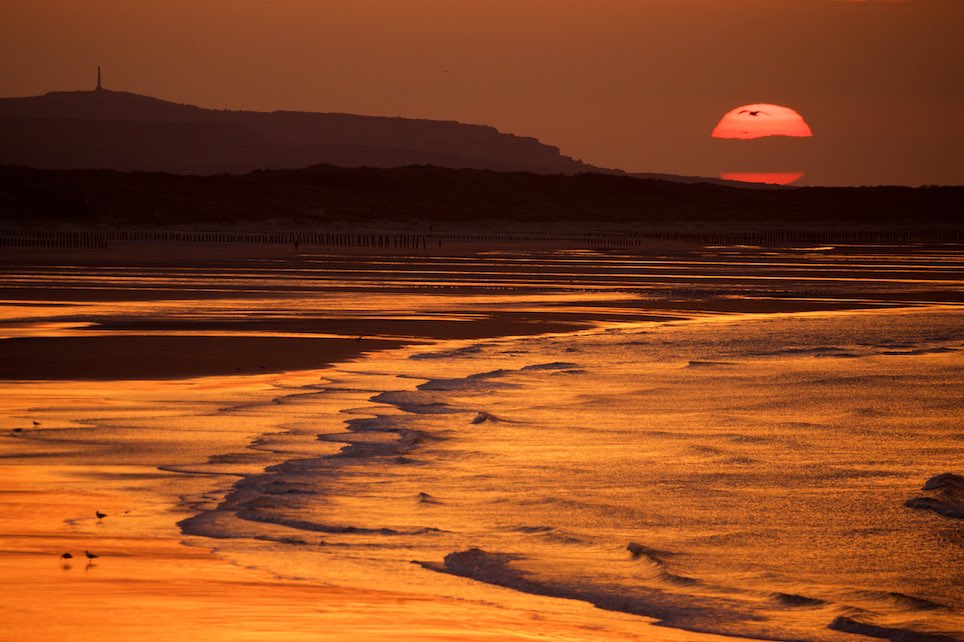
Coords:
33,244
425,199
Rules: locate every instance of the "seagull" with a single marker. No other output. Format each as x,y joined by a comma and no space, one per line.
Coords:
91,556
100,515
753,113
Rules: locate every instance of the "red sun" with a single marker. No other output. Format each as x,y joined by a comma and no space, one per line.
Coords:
759,120
770,178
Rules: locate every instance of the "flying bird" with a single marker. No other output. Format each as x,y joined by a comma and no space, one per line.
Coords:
100,515
753,113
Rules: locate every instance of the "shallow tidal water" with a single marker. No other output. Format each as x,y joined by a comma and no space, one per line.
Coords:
757,470
706,469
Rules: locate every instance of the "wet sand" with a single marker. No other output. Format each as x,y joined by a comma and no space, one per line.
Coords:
153,582
171,357
84,342
148,584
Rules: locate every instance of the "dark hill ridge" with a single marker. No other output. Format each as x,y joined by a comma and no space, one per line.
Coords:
456,198
125,131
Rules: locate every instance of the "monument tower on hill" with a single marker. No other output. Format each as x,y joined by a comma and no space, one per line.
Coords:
99,86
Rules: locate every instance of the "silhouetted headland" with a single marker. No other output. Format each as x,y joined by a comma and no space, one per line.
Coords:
125,131
129,132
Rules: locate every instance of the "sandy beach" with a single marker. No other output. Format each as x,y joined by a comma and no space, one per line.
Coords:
436,321
312,445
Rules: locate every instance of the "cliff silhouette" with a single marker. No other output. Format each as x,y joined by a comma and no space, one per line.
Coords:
125,131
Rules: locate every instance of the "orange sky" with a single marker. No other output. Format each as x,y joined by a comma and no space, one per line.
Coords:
637,84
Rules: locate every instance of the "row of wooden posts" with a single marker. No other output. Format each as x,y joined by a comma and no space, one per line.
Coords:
101,239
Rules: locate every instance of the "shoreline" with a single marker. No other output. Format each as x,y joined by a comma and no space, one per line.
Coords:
166,587
170,449
161,582
491,569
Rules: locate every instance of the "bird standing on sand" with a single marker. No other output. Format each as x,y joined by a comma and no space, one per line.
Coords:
91,556
65,560
36,423
100,515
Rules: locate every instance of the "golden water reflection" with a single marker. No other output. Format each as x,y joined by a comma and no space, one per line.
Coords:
756,431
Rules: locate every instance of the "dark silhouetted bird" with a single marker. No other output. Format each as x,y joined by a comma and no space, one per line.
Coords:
18,429
36,423
91,556
359,338
756,112
66,556
100,515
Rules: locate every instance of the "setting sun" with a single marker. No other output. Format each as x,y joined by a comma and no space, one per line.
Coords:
759,120
425,320
769,178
